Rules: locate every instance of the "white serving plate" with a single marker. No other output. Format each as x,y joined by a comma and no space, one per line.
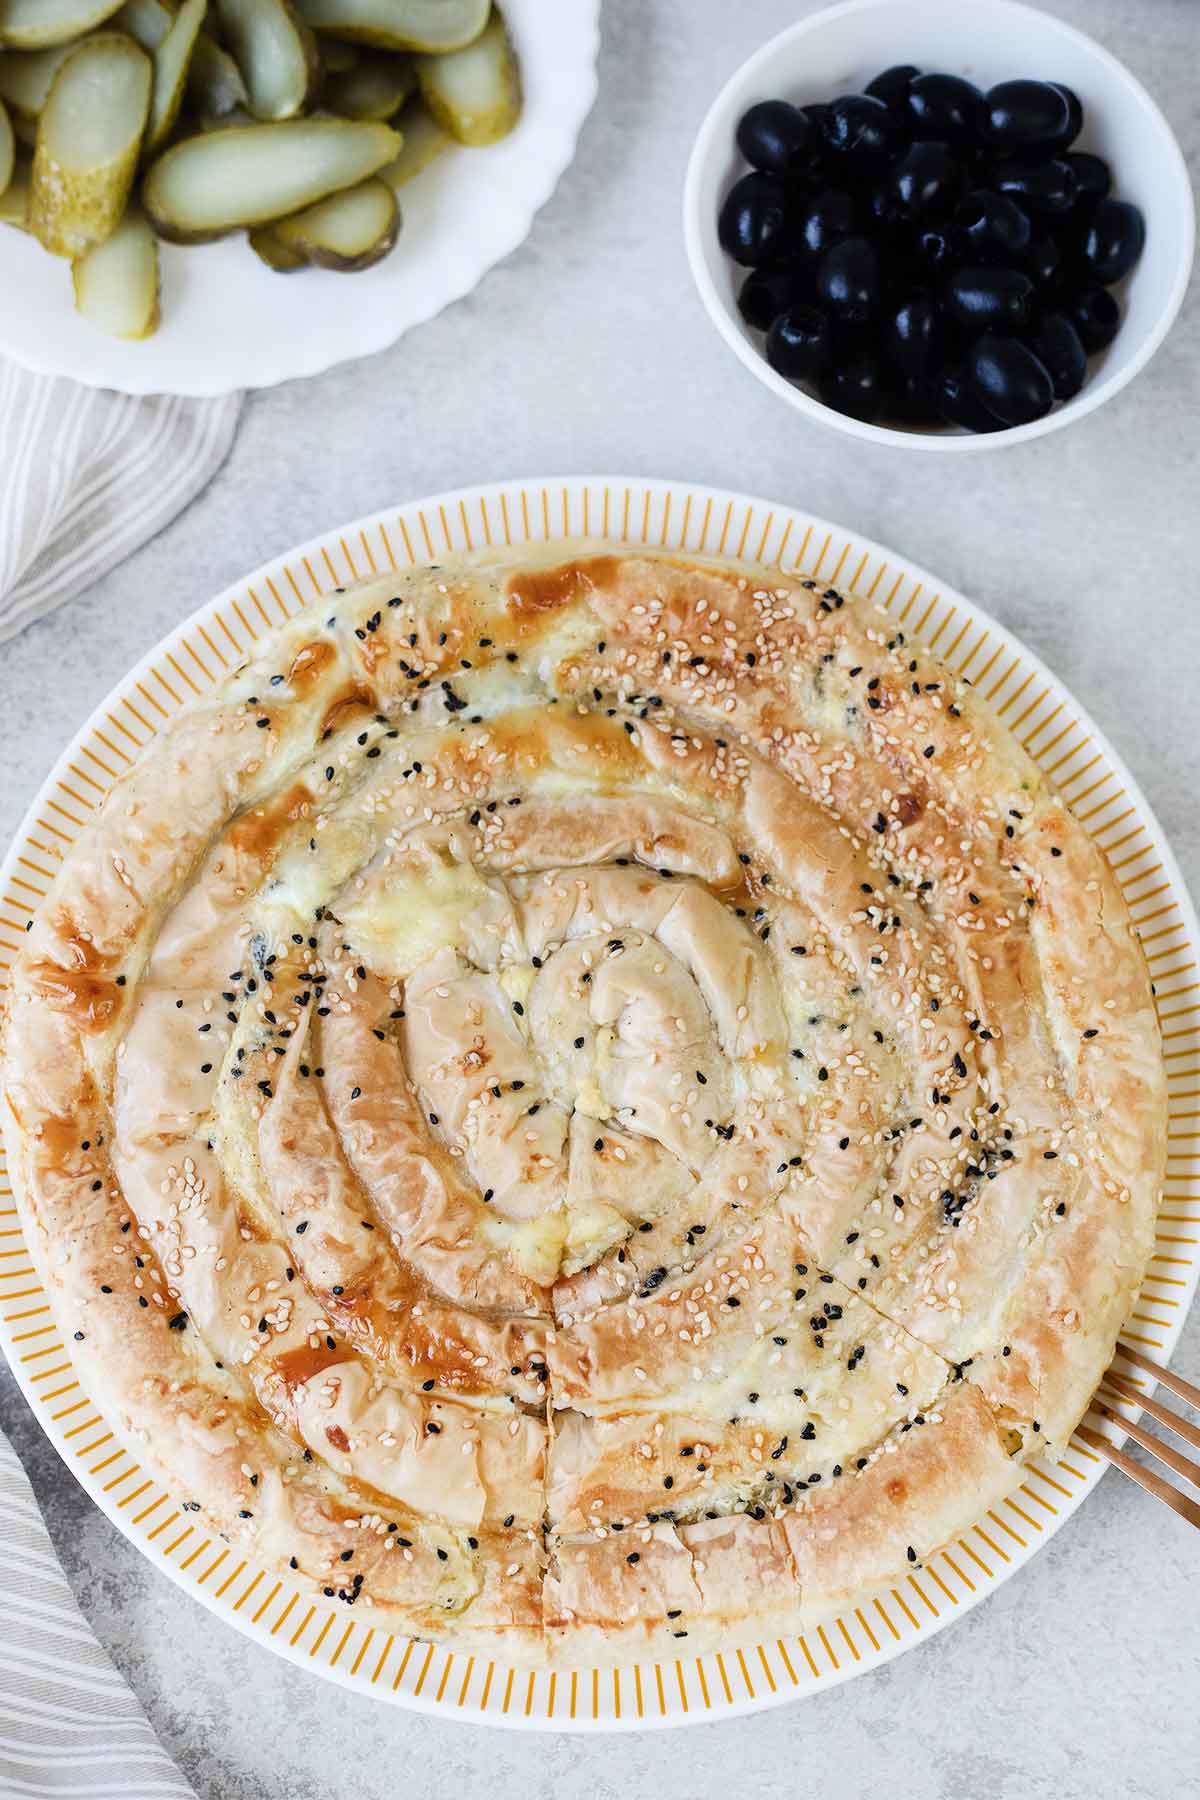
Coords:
265,1604
230,322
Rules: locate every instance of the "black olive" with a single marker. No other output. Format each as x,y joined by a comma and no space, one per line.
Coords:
798,343
892,86
1046,187
1056,343
813,173
753,221
1095,316
992,226
958,405
848,279
1074,110
987,299
910,401
1009,379
823,220
880,207
923,183
1093,177
944,106
853,385
857,128
935,248
909,334
766,293
1030,117
1043,259
1115,238
774,135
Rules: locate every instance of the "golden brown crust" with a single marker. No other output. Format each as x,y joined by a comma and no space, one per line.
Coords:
666,1589
584,1101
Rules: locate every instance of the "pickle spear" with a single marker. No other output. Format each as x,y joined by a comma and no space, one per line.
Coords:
276,55
350,231
474,94
88,139
172,63
227,180
116,282
424,140
8,148
375,88
26,77
14,201
400,24
34,24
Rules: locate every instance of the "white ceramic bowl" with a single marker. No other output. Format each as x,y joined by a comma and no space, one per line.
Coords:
837,51
230,322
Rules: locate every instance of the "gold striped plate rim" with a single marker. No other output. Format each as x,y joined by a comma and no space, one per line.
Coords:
1064,743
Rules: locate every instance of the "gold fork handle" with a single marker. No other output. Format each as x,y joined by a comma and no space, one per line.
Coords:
1174,1383
1174,1460
1154,1409
1145,1478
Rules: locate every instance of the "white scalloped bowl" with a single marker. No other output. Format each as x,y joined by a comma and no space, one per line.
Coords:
230,322
836,52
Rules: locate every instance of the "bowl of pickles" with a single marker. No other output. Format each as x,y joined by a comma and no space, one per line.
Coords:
938,232
286,137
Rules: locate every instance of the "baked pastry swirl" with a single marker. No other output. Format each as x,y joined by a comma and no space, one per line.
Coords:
591,1107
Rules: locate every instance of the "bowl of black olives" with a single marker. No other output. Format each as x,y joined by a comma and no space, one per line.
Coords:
936,226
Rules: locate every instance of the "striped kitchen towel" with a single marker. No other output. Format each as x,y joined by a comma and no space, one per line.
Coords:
68,1723
87,475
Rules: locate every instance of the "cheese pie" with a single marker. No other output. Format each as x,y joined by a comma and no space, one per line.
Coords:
591,1107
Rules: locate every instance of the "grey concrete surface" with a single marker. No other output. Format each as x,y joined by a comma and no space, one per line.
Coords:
587,350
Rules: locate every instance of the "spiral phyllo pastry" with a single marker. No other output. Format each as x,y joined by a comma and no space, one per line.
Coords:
587,1105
